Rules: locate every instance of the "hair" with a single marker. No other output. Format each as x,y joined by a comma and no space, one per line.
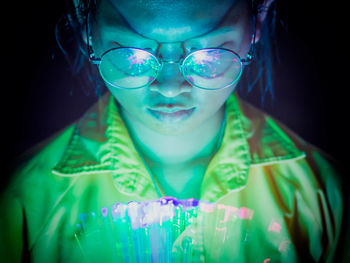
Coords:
258,75
69,32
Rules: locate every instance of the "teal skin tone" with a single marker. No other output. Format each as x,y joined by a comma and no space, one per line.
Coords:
176,150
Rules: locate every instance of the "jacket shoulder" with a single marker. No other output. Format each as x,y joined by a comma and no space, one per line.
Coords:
32,169
32,190
43,156
315,179
271,140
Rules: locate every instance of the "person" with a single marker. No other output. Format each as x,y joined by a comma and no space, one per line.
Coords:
172,125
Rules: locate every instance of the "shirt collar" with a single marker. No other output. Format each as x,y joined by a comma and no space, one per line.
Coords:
228,170
100,143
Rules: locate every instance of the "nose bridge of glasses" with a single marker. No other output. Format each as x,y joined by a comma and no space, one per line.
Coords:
170,75
171,52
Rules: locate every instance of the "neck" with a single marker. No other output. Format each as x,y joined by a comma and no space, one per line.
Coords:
177,161
181,150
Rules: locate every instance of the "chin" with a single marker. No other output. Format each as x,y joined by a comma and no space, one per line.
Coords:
172,129
171,125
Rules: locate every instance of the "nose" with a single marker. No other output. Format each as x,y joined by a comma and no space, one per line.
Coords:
170,81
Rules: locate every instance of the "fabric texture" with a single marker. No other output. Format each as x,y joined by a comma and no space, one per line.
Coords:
280,198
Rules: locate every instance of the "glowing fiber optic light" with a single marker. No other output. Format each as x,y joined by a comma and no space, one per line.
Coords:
285,245
164,230
118,210
245,213
275,227
104,211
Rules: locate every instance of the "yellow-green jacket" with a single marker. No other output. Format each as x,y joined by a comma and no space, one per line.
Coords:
289,190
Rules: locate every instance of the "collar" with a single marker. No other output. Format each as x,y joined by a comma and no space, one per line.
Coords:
100,144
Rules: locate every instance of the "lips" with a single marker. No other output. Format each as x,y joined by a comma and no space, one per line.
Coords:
169,107
171,113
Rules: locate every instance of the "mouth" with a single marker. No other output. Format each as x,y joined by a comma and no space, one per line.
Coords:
171,114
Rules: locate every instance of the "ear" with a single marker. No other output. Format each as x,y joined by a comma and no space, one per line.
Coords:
263,9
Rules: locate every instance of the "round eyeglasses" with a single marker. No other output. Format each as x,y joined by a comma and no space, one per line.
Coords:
133,68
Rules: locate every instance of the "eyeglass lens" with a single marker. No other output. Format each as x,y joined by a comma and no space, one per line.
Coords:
131,68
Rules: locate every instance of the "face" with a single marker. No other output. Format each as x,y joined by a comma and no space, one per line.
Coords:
171,30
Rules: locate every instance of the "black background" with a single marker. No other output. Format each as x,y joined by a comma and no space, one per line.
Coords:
40,96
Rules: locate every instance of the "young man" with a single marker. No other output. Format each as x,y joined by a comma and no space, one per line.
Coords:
172,125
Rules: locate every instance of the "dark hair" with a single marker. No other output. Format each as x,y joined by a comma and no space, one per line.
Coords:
259,75
69,37
70,41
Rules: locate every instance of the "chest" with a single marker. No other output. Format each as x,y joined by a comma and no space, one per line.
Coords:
243,221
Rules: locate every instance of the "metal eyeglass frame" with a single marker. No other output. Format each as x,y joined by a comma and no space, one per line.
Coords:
246,61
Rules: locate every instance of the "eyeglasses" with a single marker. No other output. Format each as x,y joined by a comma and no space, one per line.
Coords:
133,68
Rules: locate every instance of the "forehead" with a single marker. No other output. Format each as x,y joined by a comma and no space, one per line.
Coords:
167,20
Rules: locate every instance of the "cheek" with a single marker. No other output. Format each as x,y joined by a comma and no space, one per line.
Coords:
130,100
211,101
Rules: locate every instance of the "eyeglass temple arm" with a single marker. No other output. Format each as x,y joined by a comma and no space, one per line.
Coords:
93,59
251,52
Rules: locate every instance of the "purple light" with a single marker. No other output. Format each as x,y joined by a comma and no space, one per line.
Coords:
104,211
189,202
118,210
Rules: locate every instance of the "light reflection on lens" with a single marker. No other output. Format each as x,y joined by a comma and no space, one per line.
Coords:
132,68
128,68
212,68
